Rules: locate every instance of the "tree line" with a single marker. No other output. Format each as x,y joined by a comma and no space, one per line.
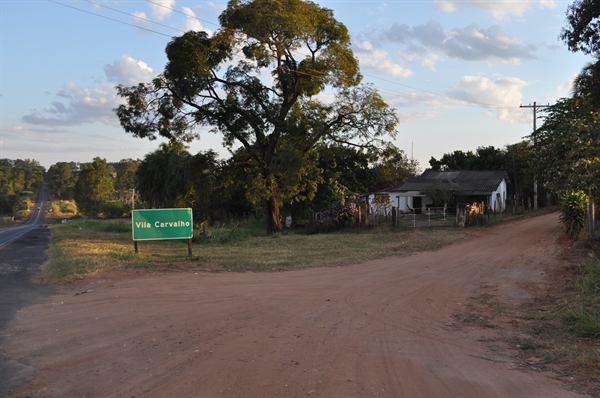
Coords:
517,160
219,189
297,153
19,182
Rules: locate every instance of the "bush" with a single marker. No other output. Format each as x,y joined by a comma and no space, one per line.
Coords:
113,209
22,214
64,207
573,209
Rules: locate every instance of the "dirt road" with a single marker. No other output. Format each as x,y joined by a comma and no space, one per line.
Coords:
383,328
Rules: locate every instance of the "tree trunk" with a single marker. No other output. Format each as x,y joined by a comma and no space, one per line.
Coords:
274,223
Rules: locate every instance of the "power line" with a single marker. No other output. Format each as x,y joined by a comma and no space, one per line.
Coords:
483,104
110,19
183,13
405,95
134,16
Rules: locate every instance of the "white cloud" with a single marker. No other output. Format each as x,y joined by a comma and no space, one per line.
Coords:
379,61
76,105
138,21
503,94
470,43
430,61
444,6
567,87
191,22
163,9
498,8
216,7
129,71
84,105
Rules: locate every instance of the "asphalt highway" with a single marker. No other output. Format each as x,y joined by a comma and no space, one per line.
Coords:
9,234
22,253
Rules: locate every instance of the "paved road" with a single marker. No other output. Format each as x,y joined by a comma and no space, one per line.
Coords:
22,252
9,234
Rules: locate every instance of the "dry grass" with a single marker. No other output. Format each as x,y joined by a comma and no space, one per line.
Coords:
558,332
83,247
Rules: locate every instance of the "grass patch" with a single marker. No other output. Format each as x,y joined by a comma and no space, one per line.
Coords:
582,318
85,247
565,335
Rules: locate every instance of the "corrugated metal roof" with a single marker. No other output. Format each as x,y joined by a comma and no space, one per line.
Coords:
462,183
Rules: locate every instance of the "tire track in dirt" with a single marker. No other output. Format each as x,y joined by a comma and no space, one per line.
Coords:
374,329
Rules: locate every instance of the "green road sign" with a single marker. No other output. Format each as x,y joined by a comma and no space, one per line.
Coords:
162,224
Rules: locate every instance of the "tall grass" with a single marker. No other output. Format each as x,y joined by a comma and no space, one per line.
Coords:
582,318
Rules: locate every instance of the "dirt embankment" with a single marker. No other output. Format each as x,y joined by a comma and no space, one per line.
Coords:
385,328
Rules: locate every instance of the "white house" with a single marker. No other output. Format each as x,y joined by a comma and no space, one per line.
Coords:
466,187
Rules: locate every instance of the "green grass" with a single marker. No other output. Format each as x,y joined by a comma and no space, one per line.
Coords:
582,317
85,247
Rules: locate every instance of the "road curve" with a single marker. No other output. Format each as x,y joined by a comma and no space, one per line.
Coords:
383,328
9,234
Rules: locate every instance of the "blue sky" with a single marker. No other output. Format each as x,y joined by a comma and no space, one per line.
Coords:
455,71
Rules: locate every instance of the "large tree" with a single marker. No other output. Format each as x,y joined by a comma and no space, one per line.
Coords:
255,81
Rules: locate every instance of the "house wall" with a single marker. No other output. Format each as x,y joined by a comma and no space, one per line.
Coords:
493,202
403,203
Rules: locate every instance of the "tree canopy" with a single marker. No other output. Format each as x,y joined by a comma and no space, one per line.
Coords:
93,188
582,32
255,82
567,147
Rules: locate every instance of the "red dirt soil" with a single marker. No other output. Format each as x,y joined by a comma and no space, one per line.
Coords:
382,328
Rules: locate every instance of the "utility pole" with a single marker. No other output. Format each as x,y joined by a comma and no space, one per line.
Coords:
535,107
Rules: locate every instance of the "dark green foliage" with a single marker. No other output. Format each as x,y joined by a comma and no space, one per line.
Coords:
113,209
61,180
582,32
16,178
485,158
567,147
516,159
438,192
586,85
126,179
93,188
161,177
277,122
573,212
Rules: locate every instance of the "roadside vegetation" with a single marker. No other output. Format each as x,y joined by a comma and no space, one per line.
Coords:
558,331
84,247
565,331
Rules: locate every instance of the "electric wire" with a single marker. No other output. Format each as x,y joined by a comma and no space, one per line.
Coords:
110,19
134,16
401,94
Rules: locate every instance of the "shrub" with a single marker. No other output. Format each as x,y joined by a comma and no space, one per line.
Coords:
113,209
573,209
344,209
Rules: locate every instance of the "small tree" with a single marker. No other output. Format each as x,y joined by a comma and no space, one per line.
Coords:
439,193
573,212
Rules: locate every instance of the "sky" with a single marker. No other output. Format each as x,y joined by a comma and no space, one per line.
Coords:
455,71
